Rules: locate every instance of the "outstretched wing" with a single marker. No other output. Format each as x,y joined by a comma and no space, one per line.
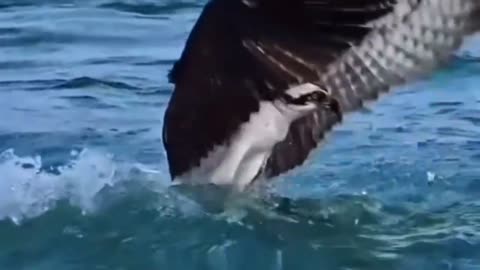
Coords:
243,51
411,41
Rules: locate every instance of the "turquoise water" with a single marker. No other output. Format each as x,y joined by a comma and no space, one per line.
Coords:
83,176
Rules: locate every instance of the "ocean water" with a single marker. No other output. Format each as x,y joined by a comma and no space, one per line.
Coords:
83,175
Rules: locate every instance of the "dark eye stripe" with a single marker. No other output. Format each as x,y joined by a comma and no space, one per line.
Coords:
303,99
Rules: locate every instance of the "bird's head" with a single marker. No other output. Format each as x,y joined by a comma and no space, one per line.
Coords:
306,98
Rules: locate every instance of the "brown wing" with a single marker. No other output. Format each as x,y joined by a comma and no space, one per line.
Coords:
412,41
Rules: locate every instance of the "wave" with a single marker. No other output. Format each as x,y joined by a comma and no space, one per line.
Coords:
139,200
151,8
82,82
38,36
28,190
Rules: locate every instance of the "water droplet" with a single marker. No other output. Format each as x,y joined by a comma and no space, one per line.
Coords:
431,177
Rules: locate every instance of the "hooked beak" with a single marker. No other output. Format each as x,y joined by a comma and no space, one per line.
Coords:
334,106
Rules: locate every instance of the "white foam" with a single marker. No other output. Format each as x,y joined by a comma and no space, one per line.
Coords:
26,191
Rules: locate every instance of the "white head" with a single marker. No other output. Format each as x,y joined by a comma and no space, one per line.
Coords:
303,99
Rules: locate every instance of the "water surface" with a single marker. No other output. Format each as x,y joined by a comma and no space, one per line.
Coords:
83,176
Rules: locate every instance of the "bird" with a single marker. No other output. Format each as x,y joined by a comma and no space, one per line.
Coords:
260,83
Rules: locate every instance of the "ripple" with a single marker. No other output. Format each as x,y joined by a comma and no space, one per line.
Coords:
31,85
452,131
133,132
84,82
446,111
446,104
153,92
10,30
473,145
89,102
131,60
36,36
23,64
474,120
14,4
161,62
151,8
116,60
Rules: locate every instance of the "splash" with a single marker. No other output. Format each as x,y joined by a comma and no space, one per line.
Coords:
27,191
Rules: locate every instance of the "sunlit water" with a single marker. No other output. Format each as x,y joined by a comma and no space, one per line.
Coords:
83,175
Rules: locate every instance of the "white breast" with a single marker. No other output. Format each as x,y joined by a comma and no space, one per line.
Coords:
239,162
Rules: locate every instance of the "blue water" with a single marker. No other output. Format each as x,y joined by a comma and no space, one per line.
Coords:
83,175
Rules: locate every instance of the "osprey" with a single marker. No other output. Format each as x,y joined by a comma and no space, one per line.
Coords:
260,82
